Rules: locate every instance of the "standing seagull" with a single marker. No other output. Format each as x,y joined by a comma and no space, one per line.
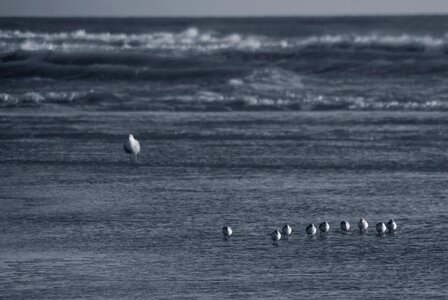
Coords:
286,230
380,228
227,231
311,229
363,225
345,226
276,236
132,146
324,227
391,225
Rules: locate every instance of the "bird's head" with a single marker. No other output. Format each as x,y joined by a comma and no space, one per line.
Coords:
131,137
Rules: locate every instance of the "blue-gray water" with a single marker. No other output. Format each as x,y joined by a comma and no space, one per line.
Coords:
251,123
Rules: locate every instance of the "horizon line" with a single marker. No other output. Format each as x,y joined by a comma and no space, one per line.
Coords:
234,16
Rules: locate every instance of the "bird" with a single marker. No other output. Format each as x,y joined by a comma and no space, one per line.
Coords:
276,235
132,146
311,229
286,230
227,231
363,225
324,227
345,226
380,228
391,225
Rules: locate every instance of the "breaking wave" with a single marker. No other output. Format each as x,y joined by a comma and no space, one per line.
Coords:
63,97
189,40
214,101
193,39
223,66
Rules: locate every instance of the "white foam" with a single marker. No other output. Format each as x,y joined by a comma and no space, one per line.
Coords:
207,96
30,45
8,98
254,100
194,39
38,97
381,40
191,32
188,40
236,82
233,38
274,79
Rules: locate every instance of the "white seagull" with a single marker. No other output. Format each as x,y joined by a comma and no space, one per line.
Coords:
227,231
391,225
380,228
345,226
324,227
276,235
132,146
286,230
363,225
311,229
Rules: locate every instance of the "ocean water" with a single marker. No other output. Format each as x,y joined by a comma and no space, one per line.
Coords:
247,122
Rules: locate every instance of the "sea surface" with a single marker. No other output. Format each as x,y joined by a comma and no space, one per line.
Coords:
246,122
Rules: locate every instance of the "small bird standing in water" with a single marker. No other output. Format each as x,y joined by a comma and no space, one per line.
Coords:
286,230
324,227
391,225
132,146
380,228
311,229
345,226
363,225
276,236
227,231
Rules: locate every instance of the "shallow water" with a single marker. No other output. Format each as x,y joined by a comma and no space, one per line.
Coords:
79,220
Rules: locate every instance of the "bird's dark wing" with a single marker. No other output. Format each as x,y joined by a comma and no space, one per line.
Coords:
127,149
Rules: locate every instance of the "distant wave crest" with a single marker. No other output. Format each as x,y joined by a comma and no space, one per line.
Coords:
189,40
205,100
193,39
63,97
